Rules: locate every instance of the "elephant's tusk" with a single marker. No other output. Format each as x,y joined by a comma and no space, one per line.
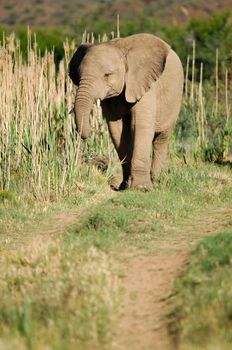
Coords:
98,103
71,111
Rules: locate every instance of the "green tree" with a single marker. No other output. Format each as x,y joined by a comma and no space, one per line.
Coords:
214,33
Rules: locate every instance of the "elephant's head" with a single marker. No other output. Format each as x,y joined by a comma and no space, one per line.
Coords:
102,71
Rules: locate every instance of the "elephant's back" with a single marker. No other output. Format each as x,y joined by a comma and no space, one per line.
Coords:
169,91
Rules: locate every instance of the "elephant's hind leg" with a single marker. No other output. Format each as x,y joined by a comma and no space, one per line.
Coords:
160,154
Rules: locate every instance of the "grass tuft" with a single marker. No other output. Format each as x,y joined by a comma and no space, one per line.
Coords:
202,310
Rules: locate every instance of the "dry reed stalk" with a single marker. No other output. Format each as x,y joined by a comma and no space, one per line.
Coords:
186,78
227,110
118,26
201,107
193,73
227,104
216,83
84,37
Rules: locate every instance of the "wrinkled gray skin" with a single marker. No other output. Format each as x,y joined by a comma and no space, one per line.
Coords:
139,80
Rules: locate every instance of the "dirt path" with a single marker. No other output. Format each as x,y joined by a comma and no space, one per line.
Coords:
149,280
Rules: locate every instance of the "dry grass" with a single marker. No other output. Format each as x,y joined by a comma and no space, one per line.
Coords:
55,295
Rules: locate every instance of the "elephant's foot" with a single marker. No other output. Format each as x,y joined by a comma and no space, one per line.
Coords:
142,188
143,183
124,185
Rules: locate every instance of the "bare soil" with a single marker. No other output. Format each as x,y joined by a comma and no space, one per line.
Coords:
148,283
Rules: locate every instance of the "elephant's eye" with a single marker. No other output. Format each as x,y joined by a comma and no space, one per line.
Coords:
107,75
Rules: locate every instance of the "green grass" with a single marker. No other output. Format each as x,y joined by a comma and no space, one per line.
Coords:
62,292
136,218
202,312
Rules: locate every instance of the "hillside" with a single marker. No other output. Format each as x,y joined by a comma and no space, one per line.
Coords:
62,13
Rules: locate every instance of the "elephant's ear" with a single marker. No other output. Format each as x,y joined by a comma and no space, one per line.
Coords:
75,63
145,56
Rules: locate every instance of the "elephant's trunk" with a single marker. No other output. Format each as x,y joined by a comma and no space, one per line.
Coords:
82,108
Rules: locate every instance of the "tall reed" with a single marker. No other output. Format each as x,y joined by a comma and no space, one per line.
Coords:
39,147
204,129
40,151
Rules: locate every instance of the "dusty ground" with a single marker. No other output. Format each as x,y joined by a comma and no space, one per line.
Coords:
149,280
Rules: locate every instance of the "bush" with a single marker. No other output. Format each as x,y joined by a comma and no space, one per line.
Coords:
214,33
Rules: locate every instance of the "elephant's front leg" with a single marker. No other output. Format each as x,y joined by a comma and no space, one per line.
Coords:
120,131
143,134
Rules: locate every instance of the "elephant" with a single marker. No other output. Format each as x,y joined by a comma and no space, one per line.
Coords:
139,82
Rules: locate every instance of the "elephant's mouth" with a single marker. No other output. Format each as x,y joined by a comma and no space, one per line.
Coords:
113,90
112,93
